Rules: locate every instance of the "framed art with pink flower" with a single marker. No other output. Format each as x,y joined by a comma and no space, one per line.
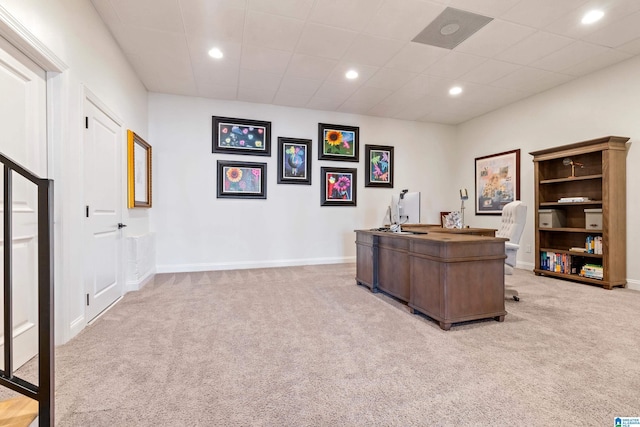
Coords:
241,136
338,142
379,166
242,180
339,186
294,161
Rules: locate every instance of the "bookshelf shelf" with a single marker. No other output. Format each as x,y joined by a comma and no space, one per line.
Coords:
599,166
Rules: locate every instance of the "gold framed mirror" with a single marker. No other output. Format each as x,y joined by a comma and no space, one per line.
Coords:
139,171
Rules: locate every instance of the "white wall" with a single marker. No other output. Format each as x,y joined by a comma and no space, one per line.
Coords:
73,31
197,231
601,104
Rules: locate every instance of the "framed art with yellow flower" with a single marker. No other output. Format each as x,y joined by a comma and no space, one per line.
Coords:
241,136
379,166
339,186
497,181
138,171
338,142
294,161
242,180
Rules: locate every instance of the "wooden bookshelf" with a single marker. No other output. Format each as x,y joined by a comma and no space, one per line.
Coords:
599,168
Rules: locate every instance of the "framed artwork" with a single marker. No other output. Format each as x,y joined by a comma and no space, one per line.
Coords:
497,181
242,180
339,186
338,142
241,136
379,171
294,161
138,171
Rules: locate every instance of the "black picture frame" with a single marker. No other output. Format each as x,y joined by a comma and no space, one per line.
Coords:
380,168
241,180
338,142
294,161
497,181
339,186
241,136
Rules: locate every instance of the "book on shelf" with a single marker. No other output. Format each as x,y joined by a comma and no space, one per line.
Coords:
572,199
561,263
583,250
593,245
592,271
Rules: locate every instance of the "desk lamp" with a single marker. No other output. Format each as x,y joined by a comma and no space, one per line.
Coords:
567,161
463,196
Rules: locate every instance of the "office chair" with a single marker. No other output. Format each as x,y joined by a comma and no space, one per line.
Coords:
514,217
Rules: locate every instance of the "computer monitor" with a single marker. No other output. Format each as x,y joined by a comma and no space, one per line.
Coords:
405,208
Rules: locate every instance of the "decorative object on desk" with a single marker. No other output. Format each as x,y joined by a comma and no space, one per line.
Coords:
294,161
443,218
379,166
241,136
568,162
139,171
497,181
453,220
339,186
464,195
242,180
338,142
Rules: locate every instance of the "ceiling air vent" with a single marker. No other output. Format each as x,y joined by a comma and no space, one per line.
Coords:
451,27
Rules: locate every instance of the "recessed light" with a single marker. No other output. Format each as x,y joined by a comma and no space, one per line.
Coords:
352,74
456,90
215,53
592,16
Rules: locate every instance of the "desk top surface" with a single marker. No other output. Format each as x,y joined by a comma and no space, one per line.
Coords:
435,236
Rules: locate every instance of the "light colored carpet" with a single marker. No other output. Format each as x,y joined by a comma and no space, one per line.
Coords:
306,346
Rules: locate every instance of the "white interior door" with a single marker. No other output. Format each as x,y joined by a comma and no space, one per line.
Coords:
23,139
102,165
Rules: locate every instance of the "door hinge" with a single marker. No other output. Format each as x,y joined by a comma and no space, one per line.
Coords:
87,300
87,211
86,122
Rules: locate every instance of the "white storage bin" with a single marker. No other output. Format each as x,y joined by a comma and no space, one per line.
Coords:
551,218
593,219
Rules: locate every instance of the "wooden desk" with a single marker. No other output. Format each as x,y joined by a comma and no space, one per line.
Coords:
436,228
449,277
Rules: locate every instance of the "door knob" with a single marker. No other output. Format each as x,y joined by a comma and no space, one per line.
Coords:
121,225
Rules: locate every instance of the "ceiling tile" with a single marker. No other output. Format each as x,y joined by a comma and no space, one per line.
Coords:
142,41
336,90
371,50
489,71
416,57
319,103
214,91
199,47
534,47
494,38
264,59
251,79
160,15
540,13
219,20
531,80
260,96
272,31
352,107
310,67
490,8
605,59
569,56
321,40
306,87
216,74
369,95
632,48
397,20
364,72
347,14
454,65
621,32
291,99
389,78
292,8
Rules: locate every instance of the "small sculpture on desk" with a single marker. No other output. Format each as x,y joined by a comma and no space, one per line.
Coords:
453,220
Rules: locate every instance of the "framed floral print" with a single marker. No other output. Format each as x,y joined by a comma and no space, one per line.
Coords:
497,181
338,142
379,171
241,136
242,180
294,161
339,186
138,171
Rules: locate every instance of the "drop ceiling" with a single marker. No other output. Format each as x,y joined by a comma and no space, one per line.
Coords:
296,52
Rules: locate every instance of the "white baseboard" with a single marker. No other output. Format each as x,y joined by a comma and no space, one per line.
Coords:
76,326
136,285
185,268
633,284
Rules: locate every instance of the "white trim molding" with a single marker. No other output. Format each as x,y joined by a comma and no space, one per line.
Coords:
242,265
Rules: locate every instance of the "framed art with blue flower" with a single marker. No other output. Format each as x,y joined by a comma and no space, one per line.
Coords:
338,142
241,136
339,186
294,161
379,171
242,180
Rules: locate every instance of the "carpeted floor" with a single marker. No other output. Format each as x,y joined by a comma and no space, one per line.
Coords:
306,346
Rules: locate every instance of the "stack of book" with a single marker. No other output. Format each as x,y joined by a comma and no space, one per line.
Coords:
592,271
573,199
594,245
